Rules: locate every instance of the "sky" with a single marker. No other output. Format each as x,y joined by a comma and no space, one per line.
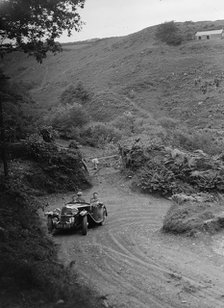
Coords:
106,18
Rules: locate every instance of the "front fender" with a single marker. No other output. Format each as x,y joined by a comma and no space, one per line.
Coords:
50,213
83,213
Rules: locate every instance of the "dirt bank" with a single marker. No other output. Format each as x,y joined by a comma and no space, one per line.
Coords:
132,264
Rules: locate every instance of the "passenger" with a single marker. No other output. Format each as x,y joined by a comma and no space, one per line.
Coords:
78,198
94,200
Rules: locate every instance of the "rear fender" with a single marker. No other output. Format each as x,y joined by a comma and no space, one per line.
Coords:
102,206
105,209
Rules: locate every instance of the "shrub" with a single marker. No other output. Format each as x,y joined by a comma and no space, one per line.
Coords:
69,119
186,217
125,122
48,133
191,141
22,255
54,170
107,106
30,272
168,170
199,212
168,123
76,94
169,33
19,111
100,134
78,117
155,178
130,125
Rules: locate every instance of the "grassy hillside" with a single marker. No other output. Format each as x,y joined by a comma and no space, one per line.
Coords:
134,73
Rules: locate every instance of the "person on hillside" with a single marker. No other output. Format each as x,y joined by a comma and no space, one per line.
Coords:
78,198
95,162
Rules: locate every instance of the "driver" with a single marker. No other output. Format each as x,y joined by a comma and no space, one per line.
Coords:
78,198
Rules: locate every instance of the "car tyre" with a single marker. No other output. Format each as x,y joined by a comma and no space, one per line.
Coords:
104,218
50,226
84,225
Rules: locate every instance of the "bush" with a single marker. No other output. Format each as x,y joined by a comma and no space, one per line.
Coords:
100,134
168,170
19,112
54,170
48,133
22,255
187,217
168,123
30,273
191,141
155,178
198,212
169,33
130,125
107,106
125,123
69,119
76,94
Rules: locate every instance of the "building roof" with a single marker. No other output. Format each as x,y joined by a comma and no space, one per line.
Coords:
209,32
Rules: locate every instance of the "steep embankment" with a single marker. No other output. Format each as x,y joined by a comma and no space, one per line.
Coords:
179,82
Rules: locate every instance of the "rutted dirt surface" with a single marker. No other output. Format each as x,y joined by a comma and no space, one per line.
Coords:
131,263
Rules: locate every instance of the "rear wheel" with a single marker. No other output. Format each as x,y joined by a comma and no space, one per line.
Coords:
84,225
103,218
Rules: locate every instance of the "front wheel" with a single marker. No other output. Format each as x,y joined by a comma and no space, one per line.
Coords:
50,226
84,225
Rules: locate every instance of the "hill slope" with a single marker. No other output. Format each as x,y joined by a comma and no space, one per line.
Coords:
134,73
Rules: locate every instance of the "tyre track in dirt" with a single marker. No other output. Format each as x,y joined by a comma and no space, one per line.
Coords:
132,264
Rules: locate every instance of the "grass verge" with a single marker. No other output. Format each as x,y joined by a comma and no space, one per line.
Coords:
30,274
190,217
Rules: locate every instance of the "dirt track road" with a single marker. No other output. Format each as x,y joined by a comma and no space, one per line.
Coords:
132,264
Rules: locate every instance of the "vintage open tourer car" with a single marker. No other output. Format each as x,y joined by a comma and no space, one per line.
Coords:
76,215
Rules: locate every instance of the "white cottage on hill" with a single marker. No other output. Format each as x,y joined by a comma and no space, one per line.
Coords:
209,34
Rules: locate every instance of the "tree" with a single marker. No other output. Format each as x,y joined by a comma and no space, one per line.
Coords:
32,26
169,33
3,84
